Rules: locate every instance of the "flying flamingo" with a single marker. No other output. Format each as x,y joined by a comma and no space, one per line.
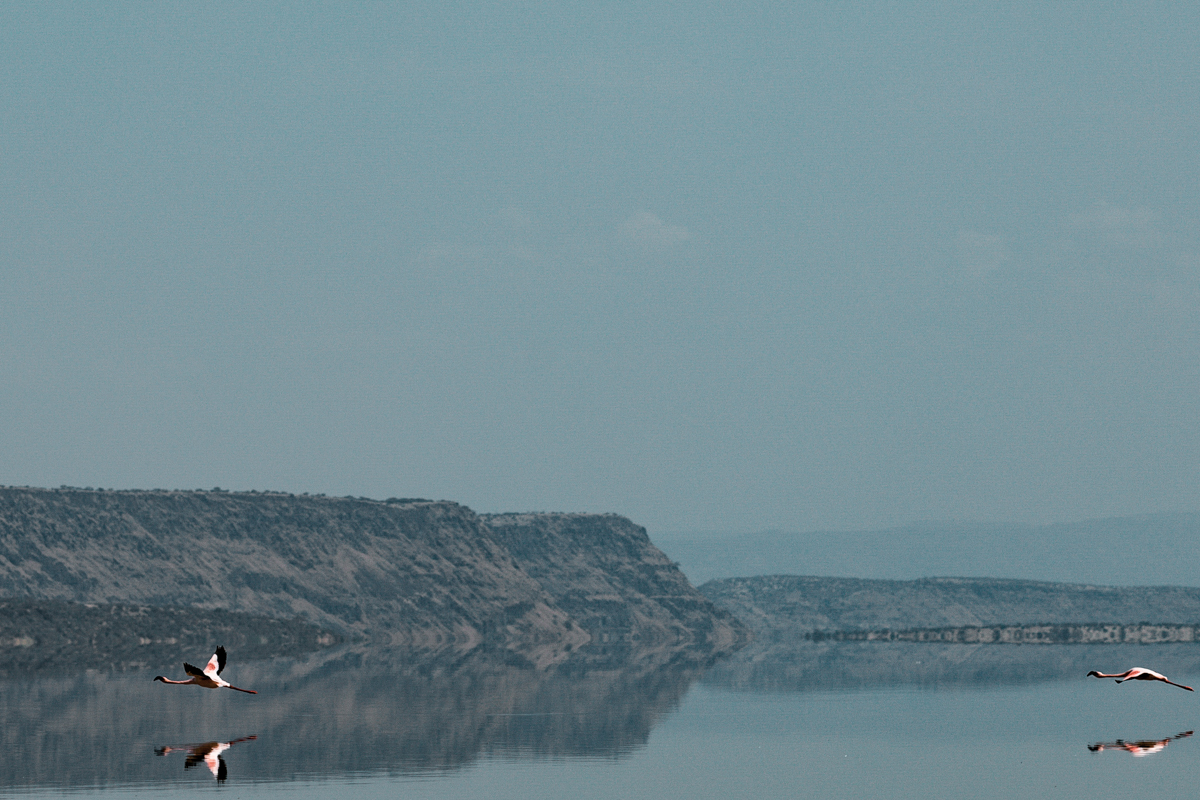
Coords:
209,753
210,676
1145,747
1139,674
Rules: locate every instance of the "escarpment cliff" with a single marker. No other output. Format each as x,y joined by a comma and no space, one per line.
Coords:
602,570
412,572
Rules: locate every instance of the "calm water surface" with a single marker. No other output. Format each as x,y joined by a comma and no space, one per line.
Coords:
658,727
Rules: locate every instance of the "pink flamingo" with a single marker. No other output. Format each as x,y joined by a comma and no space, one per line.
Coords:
1144,747
1139,674
210,676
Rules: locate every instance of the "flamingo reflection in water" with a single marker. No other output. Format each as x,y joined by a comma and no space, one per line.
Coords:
1142,747
207,753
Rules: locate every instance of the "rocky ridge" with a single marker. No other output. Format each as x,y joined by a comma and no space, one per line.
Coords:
794,606
409,572
603,571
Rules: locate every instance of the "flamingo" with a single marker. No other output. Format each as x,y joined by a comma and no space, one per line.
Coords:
1144,747
209,677
208,752
1139,674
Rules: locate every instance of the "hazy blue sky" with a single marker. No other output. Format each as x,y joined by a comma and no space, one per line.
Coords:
709,265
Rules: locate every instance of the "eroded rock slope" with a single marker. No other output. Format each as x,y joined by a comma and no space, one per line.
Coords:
411,572
603,571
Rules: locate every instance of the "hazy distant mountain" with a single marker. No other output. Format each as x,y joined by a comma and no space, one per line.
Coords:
1155,549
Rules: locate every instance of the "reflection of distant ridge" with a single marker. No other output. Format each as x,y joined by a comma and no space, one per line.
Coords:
807,665
206,753
1142,747
350,711
1079,633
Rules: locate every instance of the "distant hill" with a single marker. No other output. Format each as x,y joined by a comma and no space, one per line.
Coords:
792,606
412,572
1148,550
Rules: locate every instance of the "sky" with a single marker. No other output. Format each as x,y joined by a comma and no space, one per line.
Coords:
719,267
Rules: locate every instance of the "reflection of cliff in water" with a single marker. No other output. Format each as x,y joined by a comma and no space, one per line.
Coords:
806,665
337,713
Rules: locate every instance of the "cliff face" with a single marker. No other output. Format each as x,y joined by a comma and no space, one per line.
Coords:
419,572
603,571
409,572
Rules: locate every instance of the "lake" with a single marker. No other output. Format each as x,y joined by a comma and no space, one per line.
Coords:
853,720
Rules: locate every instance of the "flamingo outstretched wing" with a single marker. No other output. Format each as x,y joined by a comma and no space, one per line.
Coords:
198,754
1138,674
209,677
206,753
214,762
215,664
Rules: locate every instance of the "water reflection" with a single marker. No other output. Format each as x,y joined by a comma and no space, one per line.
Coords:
1142,747
353,712
206,753
791,665
344,712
